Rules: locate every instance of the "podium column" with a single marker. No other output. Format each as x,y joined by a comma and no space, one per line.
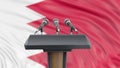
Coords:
57,59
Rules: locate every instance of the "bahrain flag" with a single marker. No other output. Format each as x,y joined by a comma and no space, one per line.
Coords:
98,19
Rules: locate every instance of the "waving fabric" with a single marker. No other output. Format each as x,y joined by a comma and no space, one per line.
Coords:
98,19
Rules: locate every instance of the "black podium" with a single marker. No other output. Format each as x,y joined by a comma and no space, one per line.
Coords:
56,46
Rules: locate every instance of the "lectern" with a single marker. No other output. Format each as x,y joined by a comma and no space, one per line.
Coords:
56,46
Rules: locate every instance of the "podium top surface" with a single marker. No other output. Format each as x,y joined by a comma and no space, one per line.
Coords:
57,42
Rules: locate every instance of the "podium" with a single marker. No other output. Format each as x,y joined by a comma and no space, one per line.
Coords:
57,46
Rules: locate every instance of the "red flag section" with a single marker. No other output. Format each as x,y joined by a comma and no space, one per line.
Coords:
98,19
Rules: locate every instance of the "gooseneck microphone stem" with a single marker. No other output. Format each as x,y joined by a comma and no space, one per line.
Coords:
57,33
41,31
71,30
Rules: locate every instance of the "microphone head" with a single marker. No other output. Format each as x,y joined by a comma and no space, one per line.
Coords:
45,22
55,21
67,22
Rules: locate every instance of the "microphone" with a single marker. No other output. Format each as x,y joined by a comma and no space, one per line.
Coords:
44,23
56,23
68,23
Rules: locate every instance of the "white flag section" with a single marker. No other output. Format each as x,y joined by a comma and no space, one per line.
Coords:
14,31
